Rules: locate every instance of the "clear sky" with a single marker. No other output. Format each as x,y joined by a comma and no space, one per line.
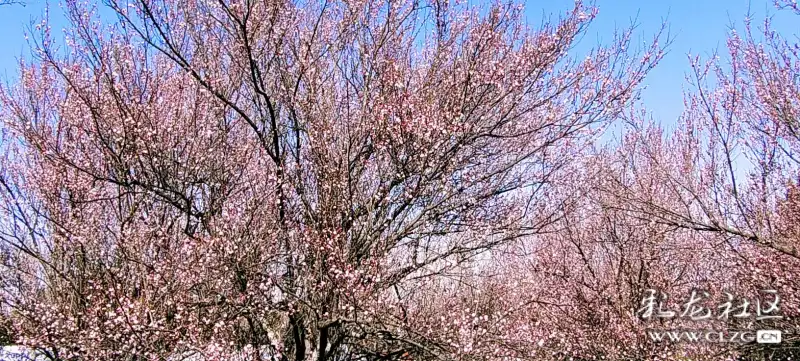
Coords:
697,26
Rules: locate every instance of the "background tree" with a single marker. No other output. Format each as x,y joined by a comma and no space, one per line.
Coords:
730,170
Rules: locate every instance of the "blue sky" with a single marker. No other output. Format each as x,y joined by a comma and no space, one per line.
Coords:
698,26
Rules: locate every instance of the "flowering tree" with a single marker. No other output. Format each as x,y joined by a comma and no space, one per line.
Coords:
738,144
710,206
289,181
730,170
